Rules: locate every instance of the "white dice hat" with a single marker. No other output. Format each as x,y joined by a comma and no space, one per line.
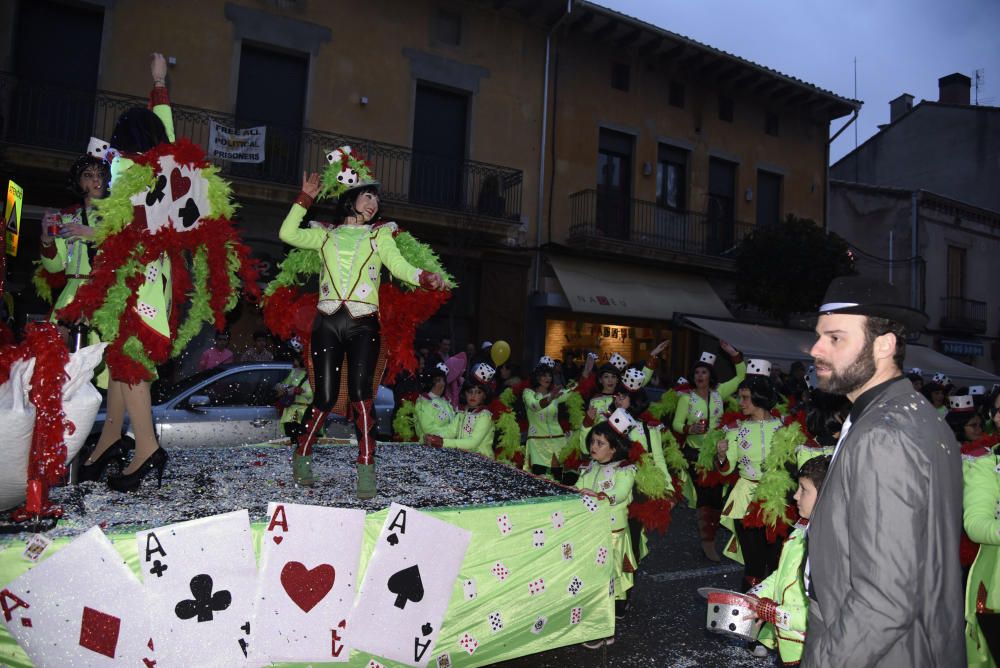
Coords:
758,367
621,421
633,379
618,361
961,404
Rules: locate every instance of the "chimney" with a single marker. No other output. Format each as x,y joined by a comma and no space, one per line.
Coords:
954,89
900,106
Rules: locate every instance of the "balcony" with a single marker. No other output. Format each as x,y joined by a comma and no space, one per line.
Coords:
963,315
637,227
61,120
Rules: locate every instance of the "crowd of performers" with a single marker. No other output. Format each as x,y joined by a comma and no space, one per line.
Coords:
152,231
738,450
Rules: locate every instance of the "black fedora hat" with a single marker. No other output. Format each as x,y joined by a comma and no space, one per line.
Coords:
861,295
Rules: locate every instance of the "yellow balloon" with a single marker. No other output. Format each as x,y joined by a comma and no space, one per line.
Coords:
500,352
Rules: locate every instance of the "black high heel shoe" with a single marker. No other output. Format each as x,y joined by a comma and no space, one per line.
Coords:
131,482
115,453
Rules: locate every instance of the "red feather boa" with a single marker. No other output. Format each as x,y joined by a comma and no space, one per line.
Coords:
754,518
654,514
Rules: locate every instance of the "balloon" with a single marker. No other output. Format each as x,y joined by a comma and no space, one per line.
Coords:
500,352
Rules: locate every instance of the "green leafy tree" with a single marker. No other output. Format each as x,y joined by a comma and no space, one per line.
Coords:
785,269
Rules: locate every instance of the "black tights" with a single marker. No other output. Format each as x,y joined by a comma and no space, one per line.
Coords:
760,558
333,336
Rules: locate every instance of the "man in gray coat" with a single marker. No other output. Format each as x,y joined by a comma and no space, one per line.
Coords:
882,571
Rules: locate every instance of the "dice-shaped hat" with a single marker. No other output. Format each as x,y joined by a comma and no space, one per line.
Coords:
915,371
707,358
442,367
758,367
345,172
961,404
545,360
633,379
97,148
618,361
621,421
484,372
941,379
977,390
681,380
296,344
811,381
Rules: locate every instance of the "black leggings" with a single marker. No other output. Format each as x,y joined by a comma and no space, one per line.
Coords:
333,336
760,558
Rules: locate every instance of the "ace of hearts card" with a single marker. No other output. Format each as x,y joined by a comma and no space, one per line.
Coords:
306,584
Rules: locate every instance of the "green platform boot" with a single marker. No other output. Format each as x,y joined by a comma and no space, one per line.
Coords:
302,470
366,481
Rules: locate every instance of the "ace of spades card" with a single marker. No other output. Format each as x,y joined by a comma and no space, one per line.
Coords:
80,607
200,578
306,585
407,586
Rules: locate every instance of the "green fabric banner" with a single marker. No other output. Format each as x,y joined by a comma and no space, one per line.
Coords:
555,539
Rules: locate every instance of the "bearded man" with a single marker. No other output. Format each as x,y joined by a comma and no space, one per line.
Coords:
883,575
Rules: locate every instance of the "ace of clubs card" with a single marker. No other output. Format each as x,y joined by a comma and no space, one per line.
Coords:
200,577
60,617
306,586
407,586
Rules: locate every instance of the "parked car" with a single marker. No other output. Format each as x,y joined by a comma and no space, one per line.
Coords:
234,405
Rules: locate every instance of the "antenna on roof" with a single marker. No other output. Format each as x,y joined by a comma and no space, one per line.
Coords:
855,97
980,81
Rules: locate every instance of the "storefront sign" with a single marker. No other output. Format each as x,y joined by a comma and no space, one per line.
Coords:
962,348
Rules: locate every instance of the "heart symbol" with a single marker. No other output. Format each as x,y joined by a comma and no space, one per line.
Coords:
179,184
307,587
278,539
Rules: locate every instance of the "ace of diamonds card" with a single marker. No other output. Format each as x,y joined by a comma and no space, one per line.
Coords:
407,586
306,585
80,607
200,579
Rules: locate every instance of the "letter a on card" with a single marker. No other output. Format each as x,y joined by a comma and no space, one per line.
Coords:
407,586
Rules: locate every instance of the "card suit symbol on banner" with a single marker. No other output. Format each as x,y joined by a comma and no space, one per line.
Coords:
407,586
307,587
179,184
204,603
156,194
99,632
392,539
158,568
190,213
243,642
278,539
427,629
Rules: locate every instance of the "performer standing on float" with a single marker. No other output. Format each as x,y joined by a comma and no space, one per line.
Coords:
699,412
545,433
347,321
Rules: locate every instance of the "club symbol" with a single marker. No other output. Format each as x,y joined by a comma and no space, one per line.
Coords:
204,603
156,194
158,568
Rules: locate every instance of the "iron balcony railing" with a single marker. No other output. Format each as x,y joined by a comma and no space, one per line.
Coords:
608,216
59,118
963,314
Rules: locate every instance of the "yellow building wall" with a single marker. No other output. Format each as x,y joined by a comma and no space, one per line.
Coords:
587,102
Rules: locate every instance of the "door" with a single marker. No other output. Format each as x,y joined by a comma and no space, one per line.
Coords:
440,125
272,93
56,56
768,198
721,206
240,411
614,184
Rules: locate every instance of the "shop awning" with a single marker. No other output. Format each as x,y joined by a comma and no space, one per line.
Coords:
615,289
775,343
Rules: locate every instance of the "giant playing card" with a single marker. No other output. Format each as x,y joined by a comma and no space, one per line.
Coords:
306,585
407,586
80,607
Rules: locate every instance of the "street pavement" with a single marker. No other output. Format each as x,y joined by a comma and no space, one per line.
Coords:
665,627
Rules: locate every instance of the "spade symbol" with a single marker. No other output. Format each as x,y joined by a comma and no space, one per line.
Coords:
156,194
205,603
406,585
190,213
392,539
427,629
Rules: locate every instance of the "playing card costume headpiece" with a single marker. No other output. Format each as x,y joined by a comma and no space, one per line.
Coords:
860,295
168,213
345,173
545,360
633,379
618,362
757,367
621,421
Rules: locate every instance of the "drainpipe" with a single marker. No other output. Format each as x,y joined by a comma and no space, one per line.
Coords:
541,148
914,250
826,186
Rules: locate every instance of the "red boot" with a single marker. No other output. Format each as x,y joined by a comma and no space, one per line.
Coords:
314,422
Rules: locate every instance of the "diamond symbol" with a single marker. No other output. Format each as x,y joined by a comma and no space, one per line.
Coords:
99,632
